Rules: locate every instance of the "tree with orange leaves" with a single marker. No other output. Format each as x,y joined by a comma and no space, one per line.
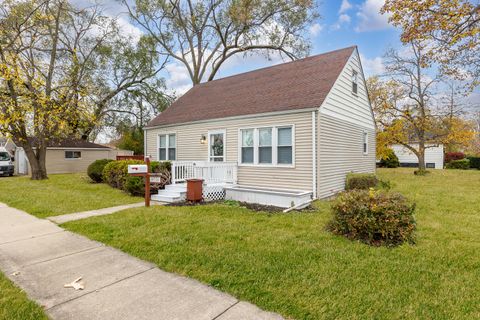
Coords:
451,26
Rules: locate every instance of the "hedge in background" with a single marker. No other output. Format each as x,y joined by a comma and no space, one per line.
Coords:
95,169
374,217
363,181
160,167
115,173
450,156
474,162
389,160
134,185
463,164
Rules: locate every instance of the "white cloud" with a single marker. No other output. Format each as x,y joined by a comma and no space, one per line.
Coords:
345,6
115,11
370,18
343,19
315,29
373,66
178,79
129,29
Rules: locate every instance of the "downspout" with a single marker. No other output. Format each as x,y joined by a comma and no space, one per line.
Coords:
314,154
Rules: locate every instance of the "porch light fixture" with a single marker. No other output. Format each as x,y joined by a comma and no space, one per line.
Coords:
203,139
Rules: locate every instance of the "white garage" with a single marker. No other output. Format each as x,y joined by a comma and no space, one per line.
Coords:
433,156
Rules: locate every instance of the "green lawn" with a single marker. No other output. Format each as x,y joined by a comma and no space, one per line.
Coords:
60,194
289,264
14,304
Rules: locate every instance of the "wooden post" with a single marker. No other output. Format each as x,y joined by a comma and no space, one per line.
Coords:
147,183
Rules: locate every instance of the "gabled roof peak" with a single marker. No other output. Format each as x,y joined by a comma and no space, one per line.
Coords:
298,84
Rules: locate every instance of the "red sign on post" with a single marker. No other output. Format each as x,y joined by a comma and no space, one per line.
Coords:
142,170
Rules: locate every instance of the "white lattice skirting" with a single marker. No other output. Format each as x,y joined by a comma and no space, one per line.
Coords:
213,192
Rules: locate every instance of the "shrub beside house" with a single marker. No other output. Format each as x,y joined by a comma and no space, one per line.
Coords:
115,174
458,160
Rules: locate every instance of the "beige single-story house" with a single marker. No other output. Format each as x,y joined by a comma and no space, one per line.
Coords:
69,156
280,135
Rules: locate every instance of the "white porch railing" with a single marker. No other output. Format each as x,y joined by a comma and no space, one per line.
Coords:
211,172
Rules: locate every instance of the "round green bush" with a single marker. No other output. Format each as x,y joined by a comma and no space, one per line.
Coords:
135,185
374,217
462,164
474,162
95,169
157,166
389,160
362,181
115,173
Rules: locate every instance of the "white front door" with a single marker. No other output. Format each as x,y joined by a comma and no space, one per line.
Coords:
216,146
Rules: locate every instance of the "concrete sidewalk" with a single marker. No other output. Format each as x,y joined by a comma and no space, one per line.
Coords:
41,257
93,213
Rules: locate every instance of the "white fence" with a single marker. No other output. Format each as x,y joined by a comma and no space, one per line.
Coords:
211,172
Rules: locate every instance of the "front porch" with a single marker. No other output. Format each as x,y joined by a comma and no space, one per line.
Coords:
221,182
216,176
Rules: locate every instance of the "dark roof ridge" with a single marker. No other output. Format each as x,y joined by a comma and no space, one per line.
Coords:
276,65
295,85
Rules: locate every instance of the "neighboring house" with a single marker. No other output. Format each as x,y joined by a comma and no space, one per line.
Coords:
19,159
72,155
291,131
433,156
8,144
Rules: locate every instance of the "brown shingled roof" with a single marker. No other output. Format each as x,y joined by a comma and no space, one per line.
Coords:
294,85
68,143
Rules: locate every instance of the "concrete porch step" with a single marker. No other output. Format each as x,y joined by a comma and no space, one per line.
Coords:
176,187
166,198
172,194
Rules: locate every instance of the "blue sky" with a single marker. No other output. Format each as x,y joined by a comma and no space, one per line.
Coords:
343,23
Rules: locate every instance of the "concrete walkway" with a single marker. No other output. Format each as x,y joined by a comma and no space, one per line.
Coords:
41,257
92,213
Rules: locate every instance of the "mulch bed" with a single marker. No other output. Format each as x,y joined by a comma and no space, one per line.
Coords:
251,206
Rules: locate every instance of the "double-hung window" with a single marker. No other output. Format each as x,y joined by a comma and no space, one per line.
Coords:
167,148
285,146
247,146
266,146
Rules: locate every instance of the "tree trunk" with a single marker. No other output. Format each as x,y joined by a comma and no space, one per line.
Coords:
421,156
37,161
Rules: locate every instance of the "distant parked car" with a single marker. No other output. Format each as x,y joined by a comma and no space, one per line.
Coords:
6,164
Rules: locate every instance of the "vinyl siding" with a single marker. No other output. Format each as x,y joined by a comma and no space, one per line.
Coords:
342,120
432,155
343,104
189,148
340,152
56,162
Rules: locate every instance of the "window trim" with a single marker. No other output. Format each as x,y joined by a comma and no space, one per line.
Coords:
365,142
217,131
69,159
256,142
167,145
